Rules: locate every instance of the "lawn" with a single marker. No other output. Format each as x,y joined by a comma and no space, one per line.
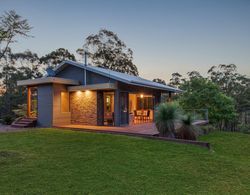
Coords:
50,161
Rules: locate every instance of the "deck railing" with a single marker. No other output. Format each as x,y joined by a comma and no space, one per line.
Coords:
198,114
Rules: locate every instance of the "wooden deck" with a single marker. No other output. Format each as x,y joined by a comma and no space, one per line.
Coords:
145,129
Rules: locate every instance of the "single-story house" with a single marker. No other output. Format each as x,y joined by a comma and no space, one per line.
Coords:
83,94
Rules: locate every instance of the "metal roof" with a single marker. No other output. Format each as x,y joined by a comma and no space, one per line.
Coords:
122,77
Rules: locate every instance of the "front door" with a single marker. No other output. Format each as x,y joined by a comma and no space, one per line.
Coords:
108,108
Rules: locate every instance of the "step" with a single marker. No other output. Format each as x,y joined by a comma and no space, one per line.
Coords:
19,125
24,122
28,120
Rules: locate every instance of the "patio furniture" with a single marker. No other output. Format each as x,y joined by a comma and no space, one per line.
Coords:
109,119
146,115
135,115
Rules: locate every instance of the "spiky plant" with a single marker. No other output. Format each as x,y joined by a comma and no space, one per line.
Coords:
166,115
187,131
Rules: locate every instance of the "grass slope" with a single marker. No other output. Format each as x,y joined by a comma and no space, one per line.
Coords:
67,162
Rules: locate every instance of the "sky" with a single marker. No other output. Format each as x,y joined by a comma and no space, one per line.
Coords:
165,36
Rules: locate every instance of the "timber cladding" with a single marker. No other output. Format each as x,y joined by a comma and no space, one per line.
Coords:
83,107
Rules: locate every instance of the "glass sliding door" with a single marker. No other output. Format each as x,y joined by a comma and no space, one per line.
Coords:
141,108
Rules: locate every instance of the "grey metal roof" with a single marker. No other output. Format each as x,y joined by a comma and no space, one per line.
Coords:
122,77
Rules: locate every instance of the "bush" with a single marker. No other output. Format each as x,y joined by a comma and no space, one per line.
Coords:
244,128
167,114
7,120
187,131
205,129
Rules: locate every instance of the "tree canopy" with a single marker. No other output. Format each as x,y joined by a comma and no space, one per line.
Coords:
11,26
107,50
232,84
202,93
161,81
56,57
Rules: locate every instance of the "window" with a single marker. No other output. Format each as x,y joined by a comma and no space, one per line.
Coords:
64,102
144,103
108,103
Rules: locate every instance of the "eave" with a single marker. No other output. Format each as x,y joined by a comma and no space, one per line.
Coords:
93,87
47,80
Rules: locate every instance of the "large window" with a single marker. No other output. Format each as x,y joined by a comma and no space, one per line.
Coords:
144,103
64,102
33,102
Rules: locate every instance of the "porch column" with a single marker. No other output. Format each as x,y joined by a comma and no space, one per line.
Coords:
28,101
117,108
169,96
100,108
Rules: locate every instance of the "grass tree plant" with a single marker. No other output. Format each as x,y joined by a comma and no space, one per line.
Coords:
167,115
187,130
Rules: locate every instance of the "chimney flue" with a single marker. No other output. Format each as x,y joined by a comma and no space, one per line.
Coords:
85,58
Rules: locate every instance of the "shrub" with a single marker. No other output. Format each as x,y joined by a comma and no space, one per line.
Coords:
187,130
21,110
205,129
167,114
244,128
7,120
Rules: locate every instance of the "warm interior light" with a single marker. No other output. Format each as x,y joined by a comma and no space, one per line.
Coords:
141,95
87,92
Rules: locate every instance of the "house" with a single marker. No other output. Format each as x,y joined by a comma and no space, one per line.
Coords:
90,95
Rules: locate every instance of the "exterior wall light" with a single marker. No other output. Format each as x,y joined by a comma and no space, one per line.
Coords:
87,92
78,92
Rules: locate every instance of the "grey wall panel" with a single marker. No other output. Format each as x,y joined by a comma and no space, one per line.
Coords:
72,72
124,109
93,78
45,105
100,108
76,73
117,108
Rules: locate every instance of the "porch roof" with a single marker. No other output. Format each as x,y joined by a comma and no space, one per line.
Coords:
46,80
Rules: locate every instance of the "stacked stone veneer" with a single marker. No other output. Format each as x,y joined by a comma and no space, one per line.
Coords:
83,107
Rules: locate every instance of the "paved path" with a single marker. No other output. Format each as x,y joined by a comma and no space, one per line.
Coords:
8,128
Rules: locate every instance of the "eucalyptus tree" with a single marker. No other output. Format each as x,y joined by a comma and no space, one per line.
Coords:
161,81
29,63
54,58
232,83
105,49
176,79
12,25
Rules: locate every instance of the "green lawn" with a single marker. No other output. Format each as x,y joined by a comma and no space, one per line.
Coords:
51,161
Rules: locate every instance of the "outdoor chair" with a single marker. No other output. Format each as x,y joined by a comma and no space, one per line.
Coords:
146,115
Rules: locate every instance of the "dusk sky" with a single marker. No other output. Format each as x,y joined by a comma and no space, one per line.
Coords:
166,36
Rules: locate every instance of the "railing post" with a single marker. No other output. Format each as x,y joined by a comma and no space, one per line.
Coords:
28,101
206,114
